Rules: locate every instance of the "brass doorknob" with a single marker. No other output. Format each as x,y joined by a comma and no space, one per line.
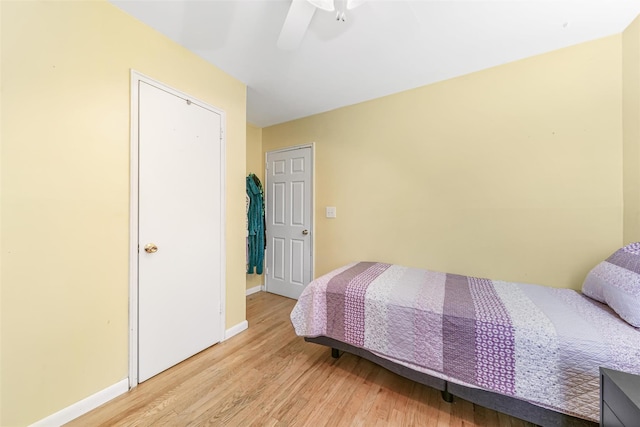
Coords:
305,232
150,248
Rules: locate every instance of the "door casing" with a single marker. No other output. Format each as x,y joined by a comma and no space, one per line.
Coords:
136,78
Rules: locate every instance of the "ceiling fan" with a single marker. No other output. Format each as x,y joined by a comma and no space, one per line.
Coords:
300,14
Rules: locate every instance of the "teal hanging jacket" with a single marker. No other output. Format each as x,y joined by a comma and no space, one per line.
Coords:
256,239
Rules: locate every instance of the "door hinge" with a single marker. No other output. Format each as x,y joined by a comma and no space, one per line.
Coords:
266,271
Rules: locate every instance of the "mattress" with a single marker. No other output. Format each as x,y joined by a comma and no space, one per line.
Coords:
539,344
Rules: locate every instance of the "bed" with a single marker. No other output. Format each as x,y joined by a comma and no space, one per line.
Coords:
530,351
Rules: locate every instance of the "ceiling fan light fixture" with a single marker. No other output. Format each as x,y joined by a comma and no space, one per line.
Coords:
323,4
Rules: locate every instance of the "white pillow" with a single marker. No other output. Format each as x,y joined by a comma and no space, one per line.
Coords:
616,282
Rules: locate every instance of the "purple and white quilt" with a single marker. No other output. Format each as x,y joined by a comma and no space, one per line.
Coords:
539,344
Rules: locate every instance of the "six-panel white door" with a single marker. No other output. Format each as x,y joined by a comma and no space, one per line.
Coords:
180,208
289,221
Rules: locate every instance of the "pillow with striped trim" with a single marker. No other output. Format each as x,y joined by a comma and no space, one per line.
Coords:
616,282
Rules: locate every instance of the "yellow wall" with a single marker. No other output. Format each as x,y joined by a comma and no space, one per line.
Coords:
255,165
631,130
512,173
65,194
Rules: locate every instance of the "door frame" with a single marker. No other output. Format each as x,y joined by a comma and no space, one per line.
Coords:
312,251
136,78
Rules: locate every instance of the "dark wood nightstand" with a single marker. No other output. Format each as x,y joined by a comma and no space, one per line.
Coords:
619,399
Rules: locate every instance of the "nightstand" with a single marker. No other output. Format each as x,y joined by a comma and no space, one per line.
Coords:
619,399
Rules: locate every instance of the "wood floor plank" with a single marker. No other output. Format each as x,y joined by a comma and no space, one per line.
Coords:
267,376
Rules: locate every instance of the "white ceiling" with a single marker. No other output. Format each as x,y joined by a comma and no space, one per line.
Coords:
385,46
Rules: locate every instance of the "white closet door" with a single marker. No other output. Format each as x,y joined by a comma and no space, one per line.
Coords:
179,256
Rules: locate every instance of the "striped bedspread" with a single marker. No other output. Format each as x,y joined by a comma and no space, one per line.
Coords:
540,344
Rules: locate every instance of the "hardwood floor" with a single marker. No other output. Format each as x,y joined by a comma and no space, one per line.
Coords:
267,376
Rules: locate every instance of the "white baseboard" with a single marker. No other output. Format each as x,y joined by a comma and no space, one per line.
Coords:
85,405
254,290
235,330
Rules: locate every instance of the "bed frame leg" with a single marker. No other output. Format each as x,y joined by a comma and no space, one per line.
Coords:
335,353
446,396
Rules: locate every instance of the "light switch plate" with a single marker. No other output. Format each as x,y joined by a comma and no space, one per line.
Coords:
330,211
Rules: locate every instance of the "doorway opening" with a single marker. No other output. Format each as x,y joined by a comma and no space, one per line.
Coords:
177,215
289,218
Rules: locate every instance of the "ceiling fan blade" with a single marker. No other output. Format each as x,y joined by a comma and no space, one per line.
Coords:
352,4
295,24
324,4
